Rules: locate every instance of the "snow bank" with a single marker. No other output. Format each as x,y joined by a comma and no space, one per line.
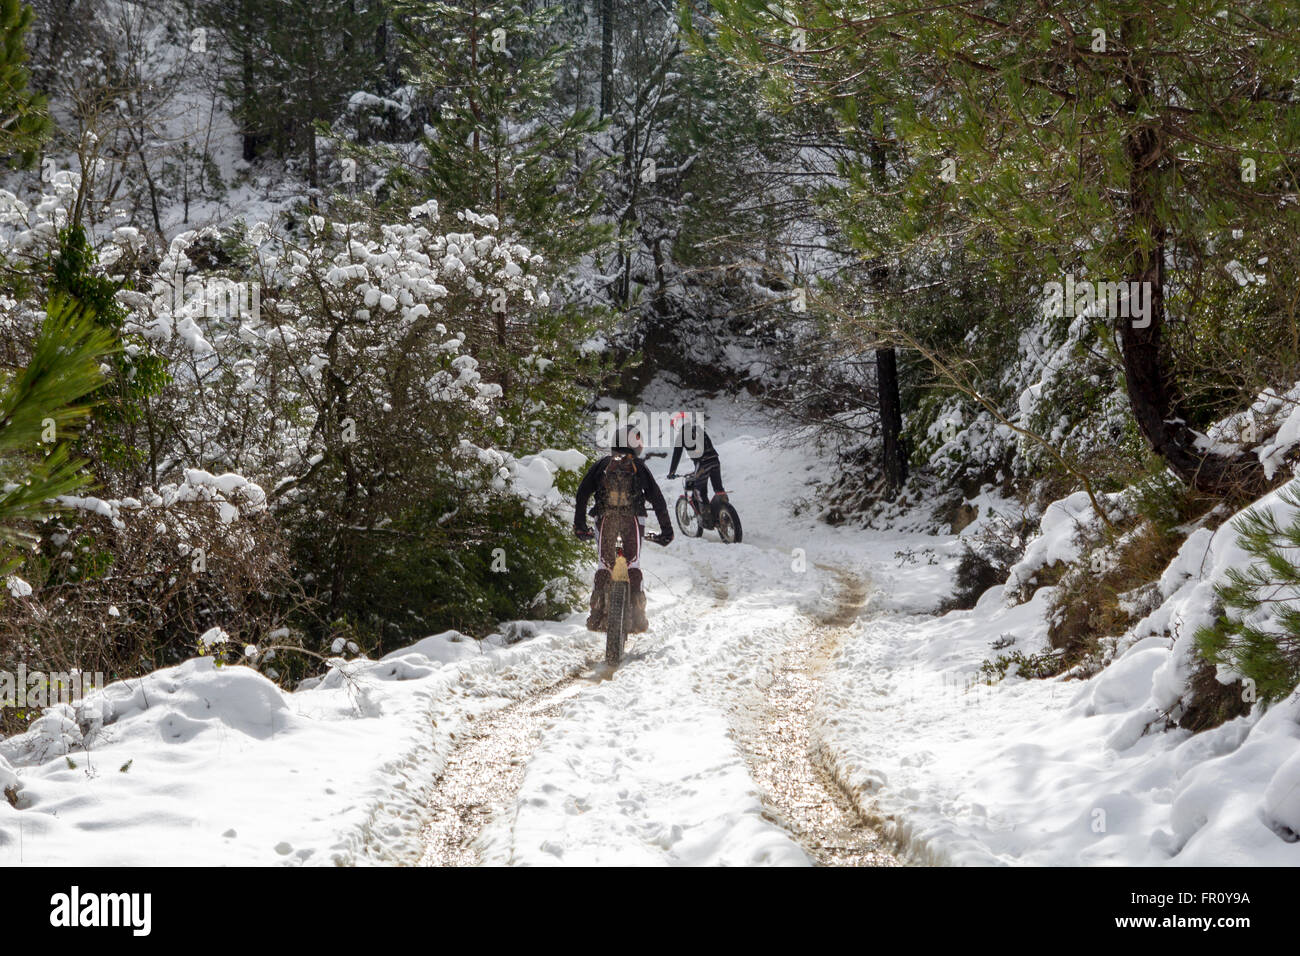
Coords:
205,765
1063,772
1056,541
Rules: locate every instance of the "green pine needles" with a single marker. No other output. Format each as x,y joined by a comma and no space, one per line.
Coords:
1258,634
41,409
24,120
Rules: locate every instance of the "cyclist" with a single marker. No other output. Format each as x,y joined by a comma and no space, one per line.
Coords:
621,484
690,436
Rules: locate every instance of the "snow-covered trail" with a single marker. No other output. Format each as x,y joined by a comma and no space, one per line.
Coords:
689,752
788,760
482,775
520,748
780,675
702,747
631,765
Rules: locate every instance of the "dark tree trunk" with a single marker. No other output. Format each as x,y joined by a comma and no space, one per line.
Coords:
891,420
887,396
313,175
606,57
248,85
1150,391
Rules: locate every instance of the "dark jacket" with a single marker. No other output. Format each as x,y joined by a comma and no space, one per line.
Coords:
695,441
649,492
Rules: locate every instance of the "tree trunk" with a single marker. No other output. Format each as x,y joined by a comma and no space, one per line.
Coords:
1150,392
891,420
606,57
887,396
248,137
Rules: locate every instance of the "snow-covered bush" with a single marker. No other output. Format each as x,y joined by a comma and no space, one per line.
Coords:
121,587
391,389
398,389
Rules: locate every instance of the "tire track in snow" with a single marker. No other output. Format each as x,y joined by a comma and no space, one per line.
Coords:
483,773
773,730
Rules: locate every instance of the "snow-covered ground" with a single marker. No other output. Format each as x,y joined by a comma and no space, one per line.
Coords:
1063,772
641,765
200,765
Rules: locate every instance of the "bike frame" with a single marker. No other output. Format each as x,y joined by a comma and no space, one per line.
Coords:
693,498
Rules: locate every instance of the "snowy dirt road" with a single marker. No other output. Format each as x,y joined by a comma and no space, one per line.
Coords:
788,762
705,747
491,783
701,748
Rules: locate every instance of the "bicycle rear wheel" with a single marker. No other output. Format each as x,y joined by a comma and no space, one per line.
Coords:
616,622
729,524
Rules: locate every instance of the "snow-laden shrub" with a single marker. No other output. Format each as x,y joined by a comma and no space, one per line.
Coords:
399,390
403,392
124,586
987,556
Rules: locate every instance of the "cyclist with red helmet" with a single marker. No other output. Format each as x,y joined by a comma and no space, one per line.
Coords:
689,436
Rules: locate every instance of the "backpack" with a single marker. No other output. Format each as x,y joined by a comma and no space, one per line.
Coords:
620,487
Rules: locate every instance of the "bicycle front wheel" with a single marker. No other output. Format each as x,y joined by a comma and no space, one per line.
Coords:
616,621
688,519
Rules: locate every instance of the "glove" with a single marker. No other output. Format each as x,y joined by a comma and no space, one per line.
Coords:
672,475
584,534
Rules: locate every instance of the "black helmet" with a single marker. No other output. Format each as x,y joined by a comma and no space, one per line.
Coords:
627,441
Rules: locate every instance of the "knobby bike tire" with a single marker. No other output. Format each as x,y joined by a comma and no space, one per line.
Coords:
691,523
727,516
616,623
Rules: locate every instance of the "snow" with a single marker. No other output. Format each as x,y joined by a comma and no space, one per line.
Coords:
226,768
202,765
623,787
1282,796
1061,522
1062,772
205,765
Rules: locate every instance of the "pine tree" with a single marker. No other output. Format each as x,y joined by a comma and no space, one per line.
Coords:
112,444
497,144
1258,635
1129,140
40,409
24,122
291,64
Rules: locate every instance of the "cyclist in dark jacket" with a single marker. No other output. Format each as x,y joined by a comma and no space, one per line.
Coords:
622,485
691,437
